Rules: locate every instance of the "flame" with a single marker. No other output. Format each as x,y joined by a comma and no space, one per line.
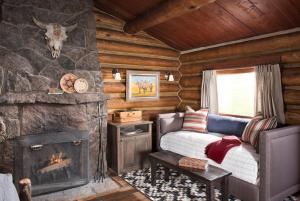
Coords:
56,158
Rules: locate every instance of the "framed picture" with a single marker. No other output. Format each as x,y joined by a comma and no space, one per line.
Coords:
142,85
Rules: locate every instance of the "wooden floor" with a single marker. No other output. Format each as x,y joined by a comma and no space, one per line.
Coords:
126,193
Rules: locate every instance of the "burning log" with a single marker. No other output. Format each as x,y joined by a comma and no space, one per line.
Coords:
56,162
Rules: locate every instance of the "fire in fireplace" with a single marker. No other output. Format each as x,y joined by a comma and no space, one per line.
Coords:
53,161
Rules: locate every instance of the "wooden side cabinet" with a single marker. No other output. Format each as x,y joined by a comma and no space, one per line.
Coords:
129,152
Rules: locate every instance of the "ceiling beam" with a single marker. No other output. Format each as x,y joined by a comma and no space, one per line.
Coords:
163,12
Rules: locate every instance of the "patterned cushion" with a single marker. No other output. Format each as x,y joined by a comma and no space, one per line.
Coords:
255,126
195,120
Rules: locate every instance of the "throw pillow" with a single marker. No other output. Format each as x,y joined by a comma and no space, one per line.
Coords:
195,121
255,126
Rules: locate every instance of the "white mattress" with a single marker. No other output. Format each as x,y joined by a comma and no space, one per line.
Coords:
242,160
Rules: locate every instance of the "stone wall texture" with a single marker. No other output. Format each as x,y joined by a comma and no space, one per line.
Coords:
27,71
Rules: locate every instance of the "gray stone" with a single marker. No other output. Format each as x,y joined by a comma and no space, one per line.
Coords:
39,47
9,111
76,38
16,82
85,19
66,62
39,83
90,40
53,117
14,62
37,3
17,14
81,192
69,7
14,2
17,98
1,80
10,36
12,128
89,62
53,72
74,53
37,60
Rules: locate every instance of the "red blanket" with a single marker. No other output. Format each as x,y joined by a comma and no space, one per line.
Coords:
217,150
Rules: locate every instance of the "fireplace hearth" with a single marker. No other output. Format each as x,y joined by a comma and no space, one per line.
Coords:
53,161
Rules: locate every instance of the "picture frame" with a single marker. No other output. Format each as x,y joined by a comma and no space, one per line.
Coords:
142,85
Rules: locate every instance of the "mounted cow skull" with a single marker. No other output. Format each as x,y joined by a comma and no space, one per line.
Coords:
55,35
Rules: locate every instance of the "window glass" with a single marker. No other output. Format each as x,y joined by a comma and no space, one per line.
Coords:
236,93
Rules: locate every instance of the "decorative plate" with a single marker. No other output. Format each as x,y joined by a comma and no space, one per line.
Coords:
67,83
81,85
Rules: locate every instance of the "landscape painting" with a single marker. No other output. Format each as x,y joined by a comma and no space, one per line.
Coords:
142,85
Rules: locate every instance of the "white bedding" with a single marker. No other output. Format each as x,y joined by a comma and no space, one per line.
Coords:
242,161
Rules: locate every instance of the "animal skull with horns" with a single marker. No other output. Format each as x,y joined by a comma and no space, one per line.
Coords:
55,35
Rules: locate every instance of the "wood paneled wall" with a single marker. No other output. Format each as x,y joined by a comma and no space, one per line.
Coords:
284,49
135,52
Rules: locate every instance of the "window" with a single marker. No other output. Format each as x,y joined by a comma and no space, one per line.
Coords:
236,92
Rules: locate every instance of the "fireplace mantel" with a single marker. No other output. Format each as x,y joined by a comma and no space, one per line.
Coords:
65,99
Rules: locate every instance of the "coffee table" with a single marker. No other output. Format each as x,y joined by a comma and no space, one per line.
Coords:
211,177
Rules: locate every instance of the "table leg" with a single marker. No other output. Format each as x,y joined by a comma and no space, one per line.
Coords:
210,192
167,174
224,189
153,172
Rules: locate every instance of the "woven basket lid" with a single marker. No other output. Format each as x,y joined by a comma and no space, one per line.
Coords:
67,83
81,85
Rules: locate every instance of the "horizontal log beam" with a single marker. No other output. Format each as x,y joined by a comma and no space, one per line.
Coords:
190,95
292,116
136,49
265,46
291,76
235,63
123,104
131,60
107,74
190,81
291,97
121,87
291,57
109,34
163,12
183,104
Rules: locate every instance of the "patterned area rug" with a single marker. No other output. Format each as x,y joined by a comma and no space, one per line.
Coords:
178,188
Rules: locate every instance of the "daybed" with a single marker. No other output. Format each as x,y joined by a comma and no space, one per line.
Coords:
270,175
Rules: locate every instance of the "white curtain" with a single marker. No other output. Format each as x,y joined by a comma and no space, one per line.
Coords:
269,100
209,92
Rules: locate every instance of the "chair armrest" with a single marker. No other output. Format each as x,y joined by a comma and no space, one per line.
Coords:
165,123
279,163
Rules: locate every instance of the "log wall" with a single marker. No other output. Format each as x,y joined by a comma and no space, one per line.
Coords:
284,49
123,51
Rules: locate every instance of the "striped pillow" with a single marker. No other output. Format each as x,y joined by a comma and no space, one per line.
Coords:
195,121
255,126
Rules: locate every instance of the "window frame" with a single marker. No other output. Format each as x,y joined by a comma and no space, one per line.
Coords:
231,71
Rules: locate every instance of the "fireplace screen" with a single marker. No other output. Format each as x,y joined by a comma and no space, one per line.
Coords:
53,161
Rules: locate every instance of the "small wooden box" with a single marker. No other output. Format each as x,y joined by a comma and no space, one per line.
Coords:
127,116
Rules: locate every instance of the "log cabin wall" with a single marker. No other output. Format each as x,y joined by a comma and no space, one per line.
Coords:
135,52
284,49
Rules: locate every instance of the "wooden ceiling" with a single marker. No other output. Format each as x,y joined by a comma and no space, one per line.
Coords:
214,23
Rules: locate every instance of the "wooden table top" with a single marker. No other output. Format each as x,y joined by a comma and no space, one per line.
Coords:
211,173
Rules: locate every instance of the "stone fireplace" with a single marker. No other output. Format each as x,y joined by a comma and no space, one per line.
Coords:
27,71
53,161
